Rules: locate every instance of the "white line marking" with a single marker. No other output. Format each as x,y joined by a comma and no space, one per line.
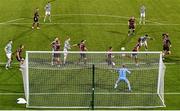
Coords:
102,15
14,20
99,15
128,93
3,63
71,23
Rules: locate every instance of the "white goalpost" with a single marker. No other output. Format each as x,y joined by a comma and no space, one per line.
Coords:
86,80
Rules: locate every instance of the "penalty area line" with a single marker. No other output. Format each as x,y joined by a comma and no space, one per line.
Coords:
84,23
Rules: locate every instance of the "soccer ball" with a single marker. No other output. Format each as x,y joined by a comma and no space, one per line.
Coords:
113,64
122,48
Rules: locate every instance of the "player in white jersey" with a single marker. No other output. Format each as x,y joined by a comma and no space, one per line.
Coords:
143,41
47,9
122,76
142,14
67,46
8,51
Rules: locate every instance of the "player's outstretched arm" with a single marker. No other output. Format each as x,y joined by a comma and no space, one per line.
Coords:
74,45
128,71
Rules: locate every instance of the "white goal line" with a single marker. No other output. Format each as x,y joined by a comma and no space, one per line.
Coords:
127,93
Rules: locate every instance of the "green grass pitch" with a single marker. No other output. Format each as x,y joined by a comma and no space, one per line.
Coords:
101,22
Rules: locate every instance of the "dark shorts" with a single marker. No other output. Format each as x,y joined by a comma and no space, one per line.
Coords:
131,27
165,48
19,59
109,60
134,54
82,55
57,55
36,20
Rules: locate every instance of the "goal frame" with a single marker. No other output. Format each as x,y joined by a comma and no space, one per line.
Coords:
161,65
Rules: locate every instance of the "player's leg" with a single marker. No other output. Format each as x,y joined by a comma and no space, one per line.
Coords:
144,19
52,59
128,83
136,59
145,45
6,66
65,56
45,16
33,25
130,31
85,58
164,51
116,83
168,51
8,61
133,29
81,57
58,60
109,61
49,15
38,25
140,19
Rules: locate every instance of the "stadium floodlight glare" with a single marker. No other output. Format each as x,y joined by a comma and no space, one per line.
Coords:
90,84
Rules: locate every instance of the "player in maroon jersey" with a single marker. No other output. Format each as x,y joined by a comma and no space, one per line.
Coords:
82,49
56,47
110,57
166,44
131,24
136,49
19,54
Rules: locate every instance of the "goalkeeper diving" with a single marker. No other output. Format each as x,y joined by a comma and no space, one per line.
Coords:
122,76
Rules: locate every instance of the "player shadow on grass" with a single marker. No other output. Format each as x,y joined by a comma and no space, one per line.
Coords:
172,59
20,26
21,35
5,80
117,32
61,18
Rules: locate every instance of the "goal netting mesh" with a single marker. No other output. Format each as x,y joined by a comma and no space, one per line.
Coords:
49,83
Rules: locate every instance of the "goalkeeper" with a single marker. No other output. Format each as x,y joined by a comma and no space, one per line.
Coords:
122,76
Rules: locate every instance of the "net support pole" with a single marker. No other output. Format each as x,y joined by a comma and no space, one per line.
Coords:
93,86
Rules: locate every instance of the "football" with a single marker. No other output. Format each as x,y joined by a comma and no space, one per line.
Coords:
122,48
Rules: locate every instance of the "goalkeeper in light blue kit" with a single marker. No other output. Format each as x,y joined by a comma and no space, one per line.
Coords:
122,76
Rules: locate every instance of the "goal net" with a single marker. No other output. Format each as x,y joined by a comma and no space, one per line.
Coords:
87,80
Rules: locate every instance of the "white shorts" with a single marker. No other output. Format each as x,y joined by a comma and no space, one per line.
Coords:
142,14
123,79
8,55
143,43
65,52
47,13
